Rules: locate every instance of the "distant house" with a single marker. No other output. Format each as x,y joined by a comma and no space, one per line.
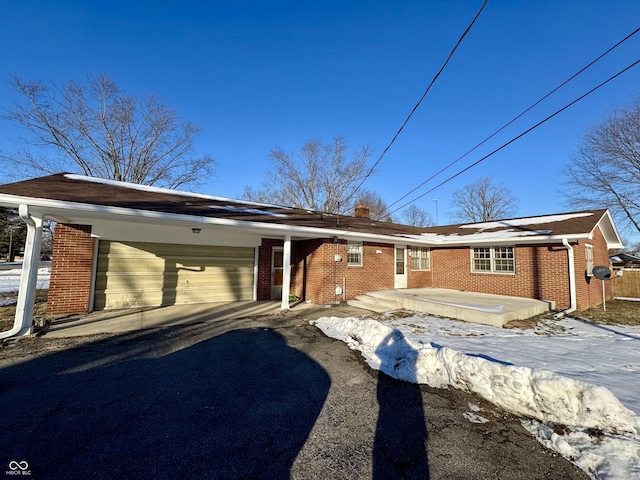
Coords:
121,245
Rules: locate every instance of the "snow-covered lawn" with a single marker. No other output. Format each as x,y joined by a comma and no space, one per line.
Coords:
581,378
10,279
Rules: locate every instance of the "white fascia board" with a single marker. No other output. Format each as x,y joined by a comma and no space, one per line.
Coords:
609,231
533,240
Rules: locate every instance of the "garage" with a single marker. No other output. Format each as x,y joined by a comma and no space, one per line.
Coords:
145,274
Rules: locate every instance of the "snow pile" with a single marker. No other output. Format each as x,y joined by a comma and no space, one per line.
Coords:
601,433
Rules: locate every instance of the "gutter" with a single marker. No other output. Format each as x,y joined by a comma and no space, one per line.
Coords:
572,282
23,322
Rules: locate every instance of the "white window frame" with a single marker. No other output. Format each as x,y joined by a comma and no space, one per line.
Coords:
493,259
588,257
354,254
420,258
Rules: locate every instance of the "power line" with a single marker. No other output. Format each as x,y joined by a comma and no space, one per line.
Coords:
519,115
419,101
520,135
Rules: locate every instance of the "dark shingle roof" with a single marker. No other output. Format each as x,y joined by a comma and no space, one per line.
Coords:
86,190
555,224
72,188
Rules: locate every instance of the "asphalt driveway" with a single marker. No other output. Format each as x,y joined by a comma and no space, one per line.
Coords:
254,398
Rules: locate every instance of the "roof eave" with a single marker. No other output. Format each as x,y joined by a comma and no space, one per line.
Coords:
75,212
609,231
488,241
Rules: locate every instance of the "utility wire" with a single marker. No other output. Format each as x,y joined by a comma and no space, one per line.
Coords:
368,174
518,116
520,135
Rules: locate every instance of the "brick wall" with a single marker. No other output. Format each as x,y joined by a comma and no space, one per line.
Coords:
541,273
589,289
306,255
315,273
319,271
322,273
376,272
418,278
71,269
264,267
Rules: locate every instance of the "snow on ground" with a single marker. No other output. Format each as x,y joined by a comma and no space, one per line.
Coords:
10,279
567,373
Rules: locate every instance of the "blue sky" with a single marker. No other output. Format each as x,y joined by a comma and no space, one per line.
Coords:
258,75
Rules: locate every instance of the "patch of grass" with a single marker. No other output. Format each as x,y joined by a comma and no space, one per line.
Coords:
8,312
618,312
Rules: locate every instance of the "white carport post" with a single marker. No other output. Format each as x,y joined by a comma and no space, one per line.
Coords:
286,272
23,323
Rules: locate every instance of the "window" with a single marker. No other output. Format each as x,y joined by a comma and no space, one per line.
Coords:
493,260
420,258
588,254
354,253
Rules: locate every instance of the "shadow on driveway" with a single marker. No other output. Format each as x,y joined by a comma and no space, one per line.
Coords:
237,405
400,445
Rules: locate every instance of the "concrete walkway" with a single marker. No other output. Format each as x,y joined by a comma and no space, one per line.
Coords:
120,321
484,308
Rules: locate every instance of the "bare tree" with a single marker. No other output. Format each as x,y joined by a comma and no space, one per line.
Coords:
377,206
12,233
605,171
100,131
416,217
482,201
319,176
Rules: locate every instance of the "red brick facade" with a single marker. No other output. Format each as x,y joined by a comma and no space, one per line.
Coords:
315,273
589,289
71,270
541,271
264,267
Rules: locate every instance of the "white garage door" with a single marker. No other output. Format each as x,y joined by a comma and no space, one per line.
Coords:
135,274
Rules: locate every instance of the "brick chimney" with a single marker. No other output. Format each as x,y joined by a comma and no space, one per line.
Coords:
362,212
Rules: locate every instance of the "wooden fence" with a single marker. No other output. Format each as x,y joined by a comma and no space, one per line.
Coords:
628,285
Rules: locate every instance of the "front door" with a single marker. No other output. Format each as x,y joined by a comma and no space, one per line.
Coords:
400,277
277,264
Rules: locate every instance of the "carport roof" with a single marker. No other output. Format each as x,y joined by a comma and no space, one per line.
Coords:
76,190
79,189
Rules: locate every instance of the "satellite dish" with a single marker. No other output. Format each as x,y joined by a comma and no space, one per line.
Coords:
601,272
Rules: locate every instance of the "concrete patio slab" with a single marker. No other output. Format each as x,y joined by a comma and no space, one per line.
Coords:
484,308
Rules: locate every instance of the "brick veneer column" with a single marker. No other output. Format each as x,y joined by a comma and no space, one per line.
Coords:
71,269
